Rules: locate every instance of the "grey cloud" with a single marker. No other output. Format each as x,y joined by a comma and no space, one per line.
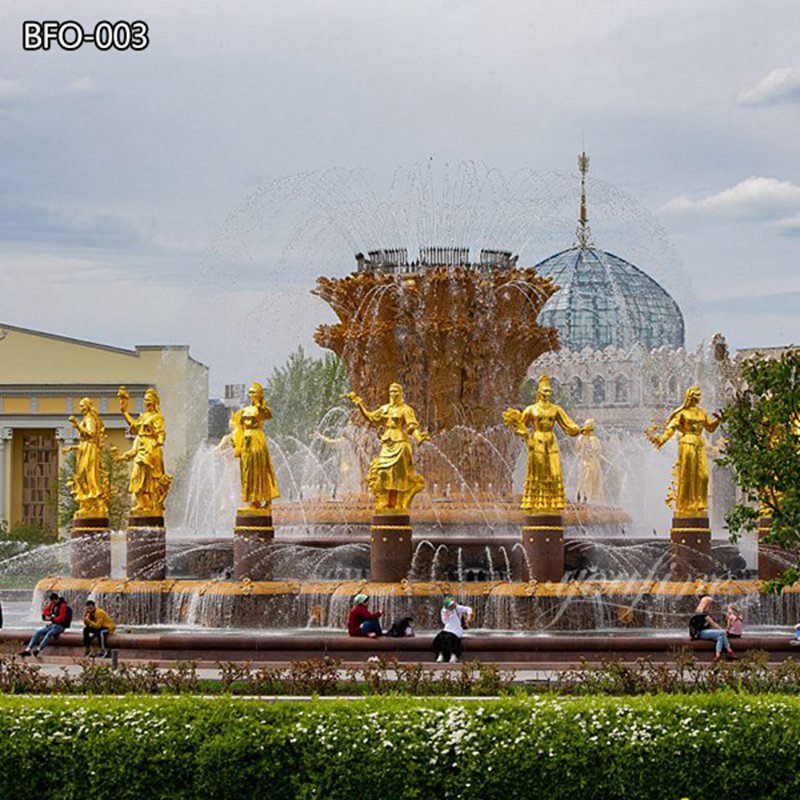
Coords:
779,86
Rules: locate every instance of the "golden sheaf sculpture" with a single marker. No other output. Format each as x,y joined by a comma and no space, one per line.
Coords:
391,476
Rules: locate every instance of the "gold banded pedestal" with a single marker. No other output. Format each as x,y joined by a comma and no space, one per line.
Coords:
772,560
390,547
90,547
690,548
543,544
252,538
146,547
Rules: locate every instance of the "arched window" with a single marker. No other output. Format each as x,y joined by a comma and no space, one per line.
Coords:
598,391
655,389
576,390
672,388
622,389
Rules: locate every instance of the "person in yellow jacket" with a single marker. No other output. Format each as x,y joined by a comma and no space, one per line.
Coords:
97,625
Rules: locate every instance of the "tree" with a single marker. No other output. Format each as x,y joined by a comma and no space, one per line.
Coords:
118,505
302,392
763,449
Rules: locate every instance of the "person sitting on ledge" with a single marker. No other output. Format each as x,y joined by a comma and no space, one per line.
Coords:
57,616
734,622
96,625
703,626
447,644
362,621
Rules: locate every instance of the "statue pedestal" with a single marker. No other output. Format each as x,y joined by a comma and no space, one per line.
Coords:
146,548
390,547
772,560
251,539
690,548
90,548
543,544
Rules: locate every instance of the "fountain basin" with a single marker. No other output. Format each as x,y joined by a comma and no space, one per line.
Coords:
499,606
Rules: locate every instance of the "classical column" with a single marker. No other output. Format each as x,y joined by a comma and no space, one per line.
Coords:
5,436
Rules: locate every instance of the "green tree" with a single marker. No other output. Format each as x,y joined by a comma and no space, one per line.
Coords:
302,392
763,449
119,504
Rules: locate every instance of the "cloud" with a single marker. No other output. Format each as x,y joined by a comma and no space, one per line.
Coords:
754,198
12,89
779,86
81,86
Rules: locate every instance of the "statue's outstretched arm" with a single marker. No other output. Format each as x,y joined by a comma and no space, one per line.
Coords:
515,419
370,416
567,425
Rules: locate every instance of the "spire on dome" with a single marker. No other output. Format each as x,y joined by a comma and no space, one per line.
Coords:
583,231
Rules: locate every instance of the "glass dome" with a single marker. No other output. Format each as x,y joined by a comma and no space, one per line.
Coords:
605,300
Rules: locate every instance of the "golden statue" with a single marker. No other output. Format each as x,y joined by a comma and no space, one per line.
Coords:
544,480
690,494
259,485
89,484
590,458
391,476
149,482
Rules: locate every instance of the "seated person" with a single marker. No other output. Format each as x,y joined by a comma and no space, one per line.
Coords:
96,625
703,626
57,616
362,621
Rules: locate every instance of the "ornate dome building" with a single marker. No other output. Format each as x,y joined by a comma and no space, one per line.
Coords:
605,300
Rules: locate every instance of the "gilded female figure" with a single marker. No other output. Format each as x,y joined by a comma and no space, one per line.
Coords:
391,475
149,482
544,480
87,484
259,485
691,470
590,462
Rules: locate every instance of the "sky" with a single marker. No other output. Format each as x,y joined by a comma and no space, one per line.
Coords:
191,192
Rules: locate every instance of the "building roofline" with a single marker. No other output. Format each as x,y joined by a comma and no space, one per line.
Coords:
139,348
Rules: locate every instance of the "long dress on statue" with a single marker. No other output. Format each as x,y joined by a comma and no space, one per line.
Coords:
544,480
393,468
692,466
259,484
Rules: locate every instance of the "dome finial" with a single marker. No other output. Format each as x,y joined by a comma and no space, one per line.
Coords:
583,232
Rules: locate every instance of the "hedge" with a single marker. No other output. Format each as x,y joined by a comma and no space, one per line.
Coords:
715,746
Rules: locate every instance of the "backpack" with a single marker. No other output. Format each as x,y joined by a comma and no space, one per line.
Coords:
68,618
697,623
402,627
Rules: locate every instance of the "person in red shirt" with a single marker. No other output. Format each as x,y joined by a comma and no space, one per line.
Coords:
362,621
55,615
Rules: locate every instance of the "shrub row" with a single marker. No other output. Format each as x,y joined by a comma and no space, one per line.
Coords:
326,676
713,746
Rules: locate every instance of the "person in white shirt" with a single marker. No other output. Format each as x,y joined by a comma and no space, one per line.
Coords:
447,643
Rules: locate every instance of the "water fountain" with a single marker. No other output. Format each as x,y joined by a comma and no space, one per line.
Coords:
459,329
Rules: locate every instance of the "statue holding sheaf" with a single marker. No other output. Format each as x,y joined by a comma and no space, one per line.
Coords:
89,484
149,483
391,477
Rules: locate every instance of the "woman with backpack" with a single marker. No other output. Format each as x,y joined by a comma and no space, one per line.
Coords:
703,626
